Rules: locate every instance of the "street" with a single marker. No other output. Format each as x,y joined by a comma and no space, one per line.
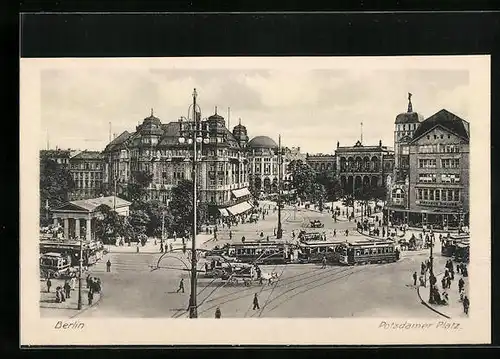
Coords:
139,285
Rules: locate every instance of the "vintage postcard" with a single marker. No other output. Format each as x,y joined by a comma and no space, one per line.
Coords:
328,200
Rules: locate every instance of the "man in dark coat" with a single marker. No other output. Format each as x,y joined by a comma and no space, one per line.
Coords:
255,302
108,266
414,278
49,284
181,286
466,304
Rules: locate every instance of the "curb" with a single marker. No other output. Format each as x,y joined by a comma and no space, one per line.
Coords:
424,303
88,307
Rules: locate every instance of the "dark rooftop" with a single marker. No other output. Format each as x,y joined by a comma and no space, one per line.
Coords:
446,119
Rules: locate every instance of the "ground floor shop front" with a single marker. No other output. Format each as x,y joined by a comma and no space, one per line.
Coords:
442,219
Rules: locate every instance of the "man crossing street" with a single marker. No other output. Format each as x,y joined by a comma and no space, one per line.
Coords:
108,266
181,286
255,302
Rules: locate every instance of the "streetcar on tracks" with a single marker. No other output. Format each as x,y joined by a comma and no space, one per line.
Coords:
55,265
309,236
450,243
92,251
368,252
314,251
462,251
260,252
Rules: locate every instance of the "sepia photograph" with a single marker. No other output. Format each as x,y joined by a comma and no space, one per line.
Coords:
279,188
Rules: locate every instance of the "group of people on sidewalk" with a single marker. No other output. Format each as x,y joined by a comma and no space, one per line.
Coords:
449,276
62,292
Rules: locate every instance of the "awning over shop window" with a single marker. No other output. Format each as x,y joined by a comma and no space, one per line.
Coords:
241,192
239,208
223,212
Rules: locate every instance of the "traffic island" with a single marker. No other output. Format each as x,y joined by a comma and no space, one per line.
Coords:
49,307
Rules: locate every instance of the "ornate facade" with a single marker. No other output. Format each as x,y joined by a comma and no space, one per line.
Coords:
360,165
430,182
155,148
263,162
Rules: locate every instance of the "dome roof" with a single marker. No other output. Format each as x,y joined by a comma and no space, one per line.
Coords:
409,117
262,142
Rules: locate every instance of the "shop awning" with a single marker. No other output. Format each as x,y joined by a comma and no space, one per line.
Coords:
239,208
223,212
241,192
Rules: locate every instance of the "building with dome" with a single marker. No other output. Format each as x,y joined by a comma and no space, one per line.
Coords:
155,148
263,161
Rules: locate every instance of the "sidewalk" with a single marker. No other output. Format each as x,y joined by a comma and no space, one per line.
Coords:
150,246
455,308
69,308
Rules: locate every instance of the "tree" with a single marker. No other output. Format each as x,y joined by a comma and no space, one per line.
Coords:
109,225
139,219
56,183
181,208
137,190
303,179
331,183
155,210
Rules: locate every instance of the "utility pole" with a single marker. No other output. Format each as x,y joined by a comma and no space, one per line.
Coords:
193,311
80,276
279,231
431,274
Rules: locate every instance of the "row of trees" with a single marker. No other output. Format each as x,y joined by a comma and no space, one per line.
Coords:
323,186
146,216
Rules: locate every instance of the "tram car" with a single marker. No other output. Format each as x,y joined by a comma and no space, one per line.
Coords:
260,252
449,244
309,236
462,251
92,251
313,251
367,252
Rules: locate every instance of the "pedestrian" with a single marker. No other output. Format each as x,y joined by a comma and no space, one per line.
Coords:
415,279
67,289
73,283
58,295
261,234
334,232
443,282
448,282
324,262
87,280
171,247
217,313
452,272
346,232
49,284
461,284
458,268
255,302
446,273
267,238
466,304
90,297
161,247
181,286
108,266
230,235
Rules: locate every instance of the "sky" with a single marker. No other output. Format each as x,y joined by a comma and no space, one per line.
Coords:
311,109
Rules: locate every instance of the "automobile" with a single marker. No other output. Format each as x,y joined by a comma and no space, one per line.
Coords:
316,224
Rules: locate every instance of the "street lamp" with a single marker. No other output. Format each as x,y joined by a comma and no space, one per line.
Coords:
193,134
279,231
80,267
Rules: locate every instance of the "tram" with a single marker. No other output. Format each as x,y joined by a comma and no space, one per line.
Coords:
92,251
260,252
462,251
449,244
313,251
54,265
366,252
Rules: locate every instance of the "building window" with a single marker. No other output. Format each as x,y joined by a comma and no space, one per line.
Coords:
427,163
450,178
450,163
427,177
437,195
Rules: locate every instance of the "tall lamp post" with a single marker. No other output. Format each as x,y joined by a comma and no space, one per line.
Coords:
279,231
194,134
80,267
